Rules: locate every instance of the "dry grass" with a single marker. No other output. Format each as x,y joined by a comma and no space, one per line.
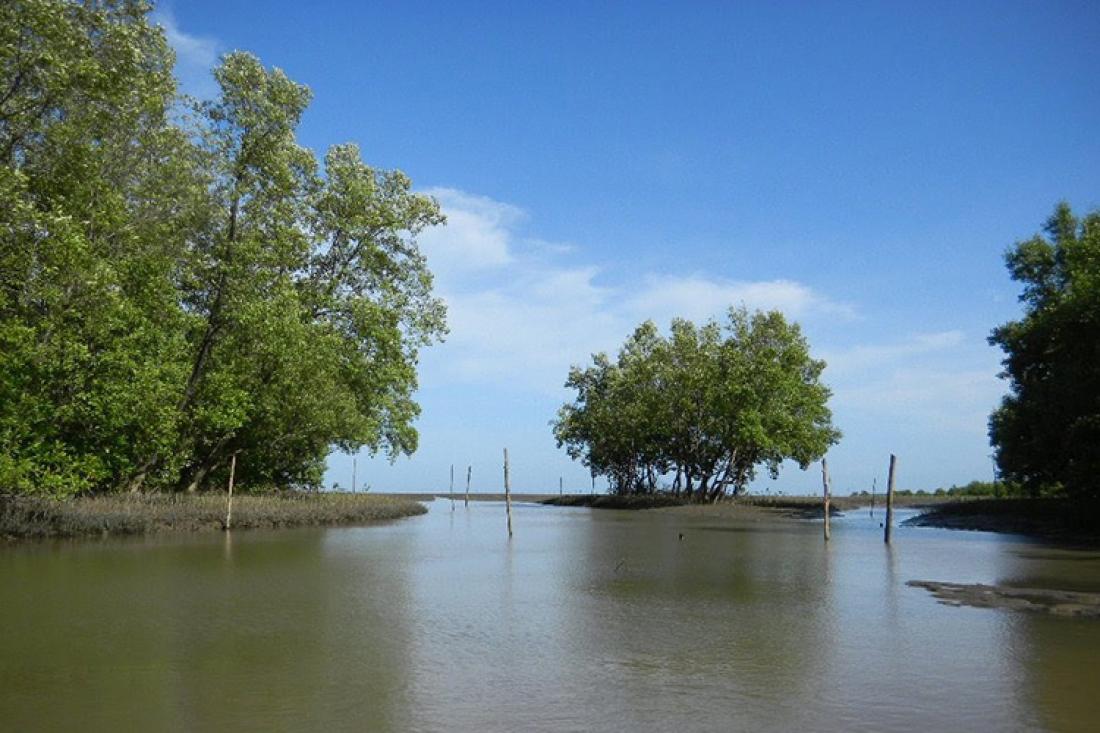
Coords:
22,517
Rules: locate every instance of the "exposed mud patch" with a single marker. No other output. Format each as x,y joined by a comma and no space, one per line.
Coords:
1041,600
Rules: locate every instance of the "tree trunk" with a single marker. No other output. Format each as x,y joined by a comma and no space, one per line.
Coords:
198,475
137,479
191,481
704,486
206,346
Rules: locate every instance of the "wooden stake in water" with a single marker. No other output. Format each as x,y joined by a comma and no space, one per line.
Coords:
559,485
229,504
452,487
469,470
874,484
825,485
507,493
890,499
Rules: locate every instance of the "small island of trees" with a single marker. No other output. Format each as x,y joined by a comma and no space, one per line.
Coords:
706,405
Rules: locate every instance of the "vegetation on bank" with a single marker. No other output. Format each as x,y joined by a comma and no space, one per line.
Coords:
1052,519
974,489
705,406
1055,519
617,501
1046,433
182,282
802,506
36,517
979,489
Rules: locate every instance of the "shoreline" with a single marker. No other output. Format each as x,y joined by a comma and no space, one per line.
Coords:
797,507
27,518
1054,521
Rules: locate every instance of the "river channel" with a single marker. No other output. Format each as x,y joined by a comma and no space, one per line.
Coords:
584,620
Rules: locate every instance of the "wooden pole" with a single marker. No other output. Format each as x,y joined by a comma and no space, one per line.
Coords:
507,493
890,499
825,485
874,484
469,470
559,485
229,504
452,487
354,462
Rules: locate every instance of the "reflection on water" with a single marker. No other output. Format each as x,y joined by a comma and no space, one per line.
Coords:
584,620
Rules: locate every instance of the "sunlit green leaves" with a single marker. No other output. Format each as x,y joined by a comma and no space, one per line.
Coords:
706,404
177,285
1047,429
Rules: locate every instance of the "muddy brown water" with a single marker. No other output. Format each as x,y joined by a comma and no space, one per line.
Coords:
585,620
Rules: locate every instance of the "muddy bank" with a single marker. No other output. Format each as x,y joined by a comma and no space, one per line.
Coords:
1051,520
1039,600
612,501
744,507
28,518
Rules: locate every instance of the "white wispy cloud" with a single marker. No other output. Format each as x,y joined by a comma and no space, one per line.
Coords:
867,357
944,381
700,297
477,236
523,309
945,398
195,55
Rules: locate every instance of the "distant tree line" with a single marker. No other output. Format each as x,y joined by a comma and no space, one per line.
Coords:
182,281
698,411
982,489
974,489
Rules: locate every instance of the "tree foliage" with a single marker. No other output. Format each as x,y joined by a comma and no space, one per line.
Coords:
179,283
1046,433
707,405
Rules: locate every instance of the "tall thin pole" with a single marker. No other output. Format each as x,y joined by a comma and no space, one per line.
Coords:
229,504
559,485
452,487
354,461
825,489
507,493
890,499
469,470
874,484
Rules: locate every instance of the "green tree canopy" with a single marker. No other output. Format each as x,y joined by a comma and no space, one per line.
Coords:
179,283
707,405
1046,433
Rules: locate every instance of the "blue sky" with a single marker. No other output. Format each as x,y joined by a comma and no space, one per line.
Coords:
861,166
